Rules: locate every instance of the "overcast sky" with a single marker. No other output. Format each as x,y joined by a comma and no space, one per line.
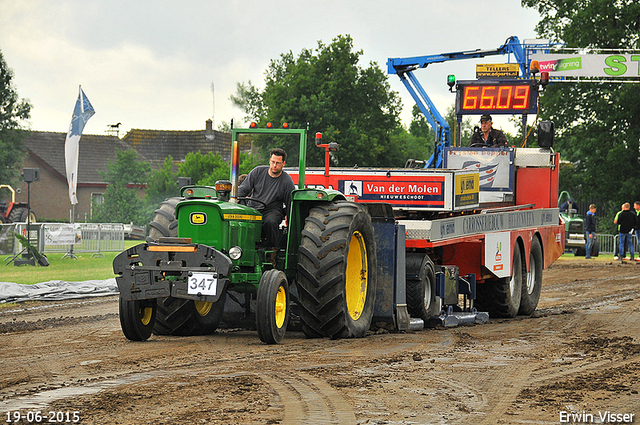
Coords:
151,64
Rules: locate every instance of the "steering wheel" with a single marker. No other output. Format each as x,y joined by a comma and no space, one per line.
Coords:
248,198
478,145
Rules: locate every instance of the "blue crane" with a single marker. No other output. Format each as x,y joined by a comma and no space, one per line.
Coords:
404,67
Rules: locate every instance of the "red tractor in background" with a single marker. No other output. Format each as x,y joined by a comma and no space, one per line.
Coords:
14,212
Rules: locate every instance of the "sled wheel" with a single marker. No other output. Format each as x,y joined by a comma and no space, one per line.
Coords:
501,297
272,309
337,273
532,283
137,318
421,287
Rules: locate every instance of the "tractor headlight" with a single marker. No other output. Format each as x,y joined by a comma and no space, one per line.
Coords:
235,252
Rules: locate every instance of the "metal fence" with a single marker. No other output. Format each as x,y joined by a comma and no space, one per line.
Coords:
90,237
615,243
609,243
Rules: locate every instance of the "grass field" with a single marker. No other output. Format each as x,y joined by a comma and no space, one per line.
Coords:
66,269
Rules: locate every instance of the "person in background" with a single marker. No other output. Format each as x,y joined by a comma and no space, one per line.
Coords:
627,222
636,206
569,205
590,228
488,136
615,250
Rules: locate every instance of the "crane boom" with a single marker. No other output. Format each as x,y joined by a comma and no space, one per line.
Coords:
404,67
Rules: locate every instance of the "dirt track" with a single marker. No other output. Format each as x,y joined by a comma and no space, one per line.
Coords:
579,352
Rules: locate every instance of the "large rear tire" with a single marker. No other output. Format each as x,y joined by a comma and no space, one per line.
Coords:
137,318
501,297
337,273
165,223
20,214
532,283
272,309
421,287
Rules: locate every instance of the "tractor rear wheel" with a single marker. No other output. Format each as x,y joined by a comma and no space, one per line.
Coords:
532,283
137,318
501,297
20,214
337,271
165,223
272,309
421,287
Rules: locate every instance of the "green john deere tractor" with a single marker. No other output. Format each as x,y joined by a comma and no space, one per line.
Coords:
178,284
574,227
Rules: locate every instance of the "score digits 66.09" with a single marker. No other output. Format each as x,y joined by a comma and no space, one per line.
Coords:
499,97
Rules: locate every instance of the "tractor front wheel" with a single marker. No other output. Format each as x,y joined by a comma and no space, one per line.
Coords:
337,273
272,309
182,317
137,318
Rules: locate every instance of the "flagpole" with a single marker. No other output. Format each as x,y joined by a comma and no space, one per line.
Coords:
80,116
70,253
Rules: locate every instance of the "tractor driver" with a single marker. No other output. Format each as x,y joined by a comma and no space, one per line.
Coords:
488,136
273,186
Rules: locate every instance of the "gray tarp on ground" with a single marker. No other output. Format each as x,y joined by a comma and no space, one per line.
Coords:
56,290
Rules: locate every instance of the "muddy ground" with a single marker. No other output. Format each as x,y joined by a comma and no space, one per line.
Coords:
579,353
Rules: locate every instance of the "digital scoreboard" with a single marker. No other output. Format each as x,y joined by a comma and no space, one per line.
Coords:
496,97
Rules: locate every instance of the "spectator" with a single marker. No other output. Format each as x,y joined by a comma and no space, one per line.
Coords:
627,222
615,250
590,228
636,206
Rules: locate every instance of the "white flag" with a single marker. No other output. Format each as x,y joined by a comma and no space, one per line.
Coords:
81,114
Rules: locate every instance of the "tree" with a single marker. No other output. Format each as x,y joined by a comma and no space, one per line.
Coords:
201,167
327,88
162,183
121,203
466,127
207,169
13,111
597,124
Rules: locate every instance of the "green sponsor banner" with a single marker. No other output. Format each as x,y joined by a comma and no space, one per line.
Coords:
613,65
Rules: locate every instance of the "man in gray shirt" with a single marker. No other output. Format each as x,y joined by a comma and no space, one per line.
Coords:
272,186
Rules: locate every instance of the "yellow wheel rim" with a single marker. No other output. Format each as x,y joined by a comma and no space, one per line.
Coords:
356,276
203,307
145,315
281,306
